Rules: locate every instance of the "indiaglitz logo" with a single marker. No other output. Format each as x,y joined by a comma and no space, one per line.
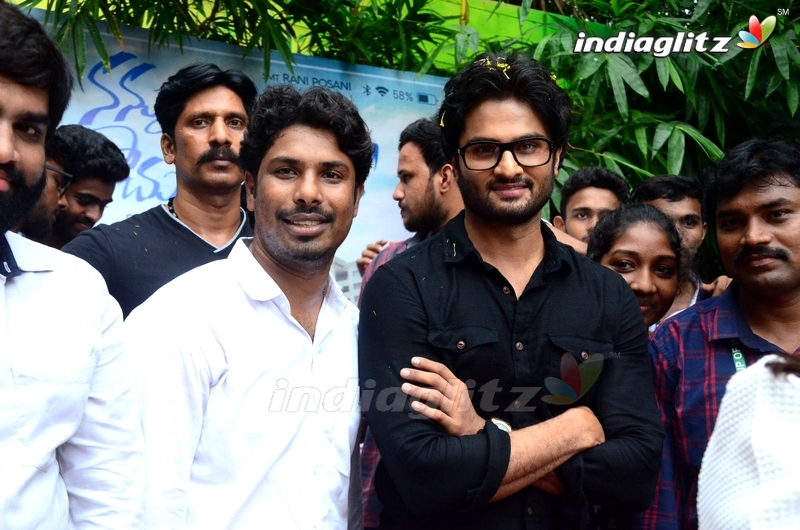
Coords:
575,380
758,34
682,42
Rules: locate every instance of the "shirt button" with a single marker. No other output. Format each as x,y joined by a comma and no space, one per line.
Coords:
530,510
461,345
506,289
584,355
516,404
519,345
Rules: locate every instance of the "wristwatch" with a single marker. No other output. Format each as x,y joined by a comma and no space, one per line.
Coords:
502,425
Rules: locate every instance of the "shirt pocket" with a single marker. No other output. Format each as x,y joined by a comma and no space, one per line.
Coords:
575,368
470,348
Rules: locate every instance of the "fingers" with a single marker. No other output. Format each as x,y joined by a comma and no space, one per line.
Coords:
427,365
428,395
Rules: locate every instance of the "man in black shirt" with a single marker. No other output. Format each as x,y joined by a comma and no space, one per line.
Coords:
203,113
495,301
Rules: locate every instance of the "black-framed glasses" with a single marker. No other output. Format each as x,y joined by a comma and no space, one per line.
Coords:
66,178
483,155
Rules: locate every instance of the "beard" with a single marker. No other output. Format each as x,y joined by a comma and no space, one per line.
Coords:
16,204
431,215
481,203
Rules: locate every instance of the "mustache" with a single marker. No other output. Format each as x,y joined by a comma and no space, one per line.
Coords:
760,250
222,152
15,176
522,179
315,210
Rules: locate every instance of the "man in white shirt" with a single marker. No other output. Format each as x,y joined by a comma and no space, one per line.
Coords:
247,366
70,443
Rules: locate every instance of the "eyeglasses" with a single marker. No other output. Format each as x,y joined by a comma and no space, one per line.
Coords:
63,184
530,152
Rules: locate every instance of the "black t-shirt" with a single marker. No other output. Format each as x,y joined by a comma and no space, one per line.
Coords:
440,300
142,253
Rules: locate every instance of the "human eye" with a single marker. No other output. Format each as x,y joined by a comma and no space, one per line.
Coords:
199,122
581,215
532,145
31,131
728,225
780,215
236,123
690,223
623,266
332,175
284,172
664,270
485,150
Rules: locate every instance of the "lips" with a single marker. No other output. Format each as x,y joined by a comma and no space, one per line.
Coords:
510,191
306,224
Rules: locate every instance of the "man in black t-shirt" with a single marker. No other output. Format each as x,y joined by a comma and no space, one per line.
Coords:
203,113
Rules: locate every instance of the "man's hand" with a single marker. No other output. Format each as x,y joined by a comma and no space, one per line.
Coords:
717,287
369,253
446,400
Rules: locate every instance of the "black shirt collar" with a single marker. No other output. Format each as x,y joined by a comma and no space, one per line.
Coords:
457,245
8,265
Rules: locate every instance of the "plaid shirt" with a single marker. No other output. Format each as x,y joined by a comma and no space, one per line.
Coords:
370,457
692,362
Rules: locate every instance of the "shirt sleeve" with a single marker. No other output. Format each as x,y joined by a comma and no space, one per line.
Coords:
623,471
416,451
173,383
102,463
664,512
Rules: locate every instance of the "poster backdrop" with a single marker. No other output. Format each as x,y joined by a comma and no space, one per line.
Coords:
119,104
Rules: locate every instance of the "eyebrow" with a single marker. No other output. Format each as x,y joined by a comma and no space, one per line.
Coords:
636,254
208,114
328,164
767,206
529,136
35,117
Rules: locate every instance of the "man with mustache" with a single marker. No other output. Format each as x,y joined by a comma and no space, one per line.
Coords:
203,113
752,199
70,441
496,301
249,386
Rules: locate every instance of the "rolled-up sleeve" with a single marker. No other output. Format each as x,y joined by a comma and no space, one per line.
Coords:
416,451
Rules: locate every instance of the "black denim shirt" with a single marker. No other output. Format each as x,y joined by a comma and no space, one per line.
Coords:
440,300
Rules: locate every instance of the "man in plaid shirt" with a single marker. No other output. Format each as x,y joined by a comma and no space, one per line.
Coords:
753,201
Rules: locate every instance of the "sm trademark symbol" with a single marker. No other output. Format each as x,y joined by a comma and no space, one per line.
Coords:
783,11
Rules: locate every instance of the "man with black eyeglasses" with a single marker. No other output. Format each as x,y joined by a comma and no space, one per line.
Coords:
477,320
83,168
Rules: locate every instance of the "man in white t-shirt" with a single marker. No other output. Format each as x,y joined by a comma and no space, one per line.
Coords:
247,366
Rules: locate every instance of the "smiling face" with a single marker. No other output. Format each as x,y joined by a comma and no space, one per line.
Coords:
509,193
208,133
304,200
758,233
642,254
23,125
82,205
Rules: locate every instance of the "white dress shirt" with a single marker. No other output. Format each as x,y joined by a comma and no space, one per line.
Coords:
70,443
749,477
248,423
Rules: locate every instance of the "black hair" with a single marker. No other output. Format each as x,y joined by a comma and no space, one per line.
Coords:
281,106
786,365
87,154
754,162
426,134
494,77
671,188
593,177
611,226
194,78
29,57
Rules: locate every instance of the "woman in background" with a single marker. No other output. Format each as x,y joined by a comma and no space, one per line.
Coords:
642,244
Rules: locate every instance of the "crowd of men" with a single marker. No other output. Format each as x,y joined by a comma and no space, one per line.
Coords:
493,378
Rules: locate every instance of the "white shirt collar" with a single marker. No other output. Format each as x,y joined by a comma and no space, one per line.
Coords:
29,255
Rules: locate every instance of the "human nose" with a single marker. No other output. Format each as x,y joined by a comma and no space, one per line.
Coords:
93,212
399,192
220,134
507,165
8,148
308,190
755,233
642,282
